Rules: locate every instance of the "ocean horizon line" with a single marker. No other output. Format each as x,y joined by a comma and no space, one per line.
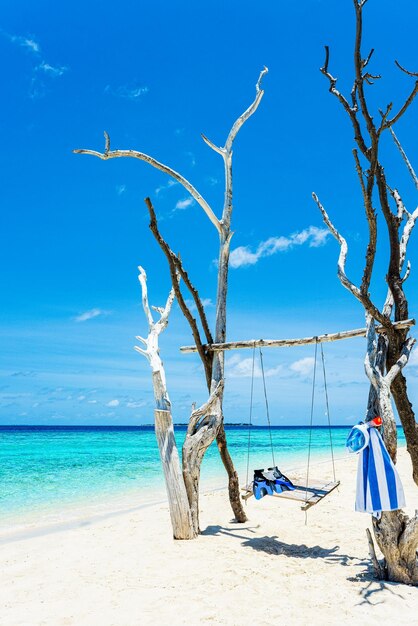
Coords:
152,426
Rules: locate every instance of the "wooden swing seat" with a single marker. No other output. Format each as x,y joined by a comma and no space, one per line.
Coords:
307,495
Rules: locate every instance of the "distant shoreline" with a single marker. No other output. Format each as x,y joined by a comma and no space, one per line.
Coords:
151,426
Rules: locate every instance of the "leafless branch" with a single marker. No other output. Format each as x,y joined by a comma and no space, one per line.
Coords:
402,361
210,143
367,59
372,224
351,111
145,305
204,410
176,266
364,298
247,113
403,69
403,108
407,272
114,154
405,158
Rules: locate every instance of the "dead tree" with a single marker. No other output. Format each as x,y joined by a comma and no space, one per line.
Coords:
181,519
395,533
207,423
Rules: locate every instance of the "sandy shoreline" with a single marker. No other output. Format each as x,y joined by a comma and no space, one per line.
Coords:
122,568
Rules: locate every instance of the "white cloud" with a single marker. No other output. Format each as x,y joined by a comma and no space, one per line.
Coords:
192,158
244,256
131,92
184,204
303,367
120,189
135,405
89,315
41,70
236,367
113,403
161,188
51,70
207,302
25,42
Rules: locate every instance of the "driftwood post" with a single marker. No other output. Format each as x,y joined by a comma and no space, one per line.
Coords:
180,514
204,427
395,533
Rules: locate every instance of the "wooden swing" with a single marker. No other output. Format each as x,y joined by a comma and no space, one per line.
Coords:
313,490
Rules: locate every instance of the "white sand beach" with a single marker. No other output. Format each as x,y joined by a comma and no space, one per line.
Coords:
124,569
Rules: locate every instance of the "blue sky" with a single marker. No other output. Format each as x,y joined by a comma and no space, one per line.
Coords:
155,76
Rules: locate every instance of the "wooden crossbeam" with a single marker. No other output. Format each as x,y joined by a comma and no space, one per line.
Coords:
282,343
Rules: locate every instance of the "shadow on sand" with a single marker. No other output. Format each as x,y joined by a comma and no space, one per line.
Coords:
271,545
370,587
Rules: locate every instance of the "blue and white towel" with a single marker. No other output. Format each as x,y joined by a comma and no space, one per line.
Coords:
379,487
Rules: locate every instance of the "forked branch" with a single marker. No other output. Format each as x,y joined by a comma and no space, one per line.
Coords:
195,421
135,154
364,298
176,268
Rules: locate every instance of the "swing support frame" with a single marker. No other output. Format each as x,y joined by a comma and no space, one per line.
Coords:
301,341
314,490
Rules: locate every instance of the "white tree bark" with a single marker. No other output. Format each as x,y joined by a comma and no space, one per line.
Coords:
181,518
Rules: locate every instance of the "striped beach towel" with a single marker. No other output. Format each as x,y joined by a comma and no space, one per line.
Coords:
379,487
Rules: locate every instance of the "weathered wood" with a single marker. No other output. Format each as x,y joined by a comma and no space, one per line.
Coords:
177,497
203,425
135,154
285,343
395,533
377,568
203,429
214,365
180,512
308,495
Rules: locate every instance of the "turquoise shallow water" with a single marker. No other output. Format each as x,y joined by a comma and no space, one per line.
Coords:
48,468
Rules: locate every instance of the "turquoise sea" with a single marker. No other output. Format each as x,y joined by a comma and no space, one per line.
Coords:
50,469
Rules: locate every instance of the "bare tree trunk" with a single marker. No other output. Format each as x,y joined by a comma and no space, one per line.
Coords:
181,518
180,514
407,417
233,480
397,537
202,432
403,405
203,424
396,534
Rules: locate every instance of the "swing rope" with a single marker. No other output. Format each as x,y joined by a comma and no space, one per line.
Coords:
267,406
306,488
328,415
251,415
311,421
